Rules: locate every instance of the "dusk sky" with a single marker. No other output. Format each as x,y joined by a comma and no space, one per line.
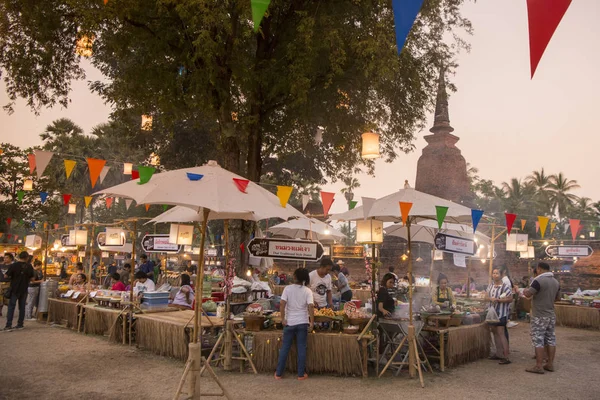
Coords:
509,125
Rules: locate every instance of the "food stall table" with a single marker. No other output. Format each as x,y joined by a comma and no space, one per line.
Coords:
168,333
461,344
577,316
60,310
328,353
395,333
103,321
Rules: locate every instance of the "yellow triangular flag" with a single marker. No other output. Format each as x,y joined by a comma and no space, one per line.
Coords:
552,226
543,224
69,165
88,200
284,193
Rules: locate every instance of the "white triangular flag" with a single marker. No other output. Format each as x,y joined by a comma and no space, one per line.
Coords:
128,203
305,200
367,205
103,173
460,260
42,159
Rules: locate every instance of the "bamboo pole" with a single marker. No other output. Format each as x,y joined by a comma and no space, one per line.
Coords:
469,278
228,344
492,253
46,253
131,280
200,278
411,327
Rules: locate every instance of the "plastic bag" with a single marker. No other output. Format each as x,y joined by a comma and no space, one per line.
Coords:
492,316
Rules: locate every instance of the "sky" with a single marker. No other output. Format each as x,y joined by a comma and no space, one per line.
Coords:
509,125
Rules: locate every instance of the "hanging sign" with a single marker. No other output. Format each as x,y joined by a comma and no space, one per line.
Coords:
211,252
454,244
122,248
459,260
286,249
64,242
348,252
159,244
569,251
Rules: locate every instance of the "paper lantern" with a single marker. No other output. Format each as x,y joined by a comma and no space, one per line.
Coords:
181,234
84,46
28,185
517,242
78,237
146,122
370,145
34,242
115,237
72,209
127,168
369,231
105,254
530,253
57,244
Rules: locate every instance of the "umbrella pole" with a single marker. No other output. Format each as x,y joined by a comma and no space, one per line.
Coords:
131,298
228,343
411,327
46,253
200,277
431,268
492,254
469,278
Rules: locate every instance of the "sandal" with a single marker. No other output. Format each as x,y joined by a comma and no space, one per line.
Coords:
535,370
494,358
277,378
303,378
505,361
549,369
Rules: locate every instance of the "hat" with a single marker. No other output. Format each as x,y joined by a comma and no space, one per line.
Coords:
340,262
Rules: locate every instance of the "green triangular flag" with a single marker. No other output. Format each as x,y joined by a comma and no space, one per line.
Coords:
145,174
441,212
259,7
20,195
165,207
352,204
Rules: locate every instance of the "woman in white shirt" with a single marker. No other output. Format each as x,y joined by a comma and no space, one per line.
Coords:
297,315
185,296
143,284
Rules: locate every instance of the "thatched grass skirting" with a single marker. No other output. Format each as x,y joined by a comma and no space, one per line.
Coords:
578,317
168,333
327,353
467,343
63,311
101,321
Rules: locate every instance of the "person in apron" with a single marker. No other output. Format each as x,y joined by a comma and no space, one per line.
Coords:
443,295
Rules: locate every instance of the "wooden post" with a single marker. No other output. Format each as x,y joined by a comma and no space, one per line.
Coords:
411,327
228,346
469,278
46,253
492,254
431,268
131,298
200,279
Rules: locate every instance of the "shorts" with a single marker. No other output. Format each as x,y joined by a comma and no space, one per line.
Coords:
542,331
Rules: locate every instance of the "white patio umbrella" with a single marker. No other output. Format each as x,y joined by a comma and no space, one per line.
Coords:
181,214
425,231
302,228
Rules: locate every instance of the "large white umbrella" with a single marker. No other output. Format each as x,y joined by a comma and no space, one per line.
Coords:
181,214
215,191
302,228
425,231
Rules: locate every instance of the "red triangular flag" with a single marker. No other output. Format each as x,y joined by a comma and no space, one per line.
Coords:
575,224
56,226
31,159
327,199
8,221
544,17
66,199
241,184
510,220
135,174
95,166
109,201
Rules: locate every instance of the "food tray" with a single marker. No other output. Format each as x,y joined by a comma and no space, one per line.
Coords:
351,331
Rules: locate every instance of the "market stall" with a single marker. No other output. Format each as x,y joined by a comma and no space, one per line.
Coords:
577,316
454,346
103,321
169,333
64,312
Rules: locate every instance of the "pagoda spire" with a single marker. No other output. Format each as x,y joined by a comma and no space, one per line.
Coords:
441,123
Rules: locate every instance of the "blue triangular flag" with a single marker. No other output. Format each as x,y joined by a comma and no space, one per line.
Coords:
43,196
194,177
33,224
476,217
405,14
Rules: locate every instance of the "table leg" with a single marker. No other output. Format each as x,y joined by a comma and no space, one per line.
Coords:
442,353
365,358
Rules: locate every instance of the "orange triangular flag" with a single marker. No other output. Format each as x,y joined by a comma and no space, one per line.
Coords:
31,158
147,207
523,222
95,165
109,201
404,210
88,200
552,226
69,166
327,199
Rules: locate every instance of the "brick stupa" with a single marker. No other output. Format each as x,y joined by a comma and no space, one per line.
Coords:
442,170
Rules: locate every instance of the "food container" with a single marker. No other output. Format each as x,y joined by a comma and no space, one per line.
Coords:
359,322
351,330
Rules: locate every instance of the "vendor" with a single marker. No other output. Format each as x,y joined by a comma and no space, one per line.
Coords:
184,298
78,270
320,284
472,287
116,282
142,283
443,296
342,284
79,284
385,302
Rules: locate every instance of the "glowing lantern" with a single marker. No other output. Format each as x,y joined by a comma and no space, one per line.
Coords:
154,160
369,231
28,185
146,122
370,145
84,46
78,237
127,168
72,209
115,237
181,234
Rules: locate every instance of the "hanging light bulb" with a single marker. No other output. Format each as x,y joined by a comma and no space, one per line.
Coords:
146,122
370,145
248,273
28,185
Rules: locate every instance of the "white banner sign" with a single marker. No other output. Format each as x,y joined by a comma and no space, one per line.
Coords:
460,260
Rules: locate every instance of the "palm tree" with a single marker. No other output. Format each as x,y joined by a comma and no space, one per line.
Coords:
560,198
517,195
541,181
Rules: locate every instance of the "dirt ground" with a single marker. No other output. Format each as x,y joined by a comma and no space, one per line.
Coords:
43,362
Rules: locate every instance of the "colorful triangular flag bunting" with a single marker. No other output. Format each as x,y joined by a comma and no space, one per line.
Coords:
87,200
109,202
574,224
43,197
128,203
69,166
352,204
95,166
259,8
42,159
241,184
103,173
327,198
284,193
475,218
305,201
145,174
405,211
440,213
510,220
31,159
20,195
543,221
66,199
405,14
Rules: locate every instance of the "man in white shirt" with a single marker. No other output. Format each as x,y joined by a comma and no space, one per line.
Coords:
143,284
320,284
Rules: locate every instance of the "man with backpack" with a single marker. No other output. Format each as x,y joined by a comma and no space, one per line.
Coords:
20,274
